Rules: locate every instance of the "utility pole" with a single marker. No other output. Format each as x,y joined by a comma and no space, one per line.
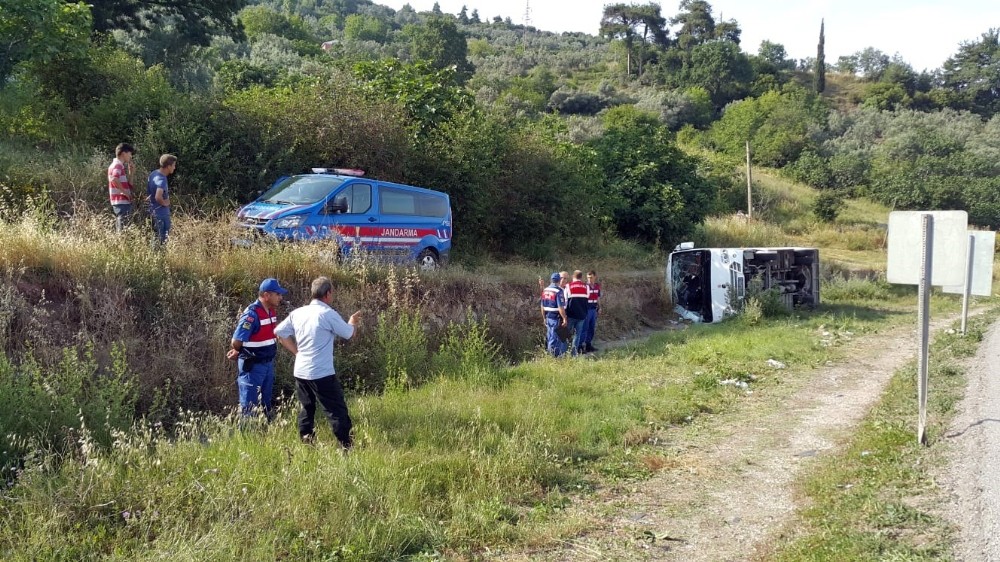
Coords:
749,185
527,13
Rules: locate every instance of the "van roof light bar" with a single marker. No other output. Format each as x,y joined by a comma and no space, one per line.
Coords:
340,171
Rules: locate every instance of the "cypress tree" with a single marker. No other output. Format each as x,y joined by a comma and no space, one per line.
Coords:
820,69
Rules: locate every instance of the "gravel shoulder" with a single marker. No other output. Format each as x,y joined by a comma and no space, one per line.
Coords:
729,488
973,475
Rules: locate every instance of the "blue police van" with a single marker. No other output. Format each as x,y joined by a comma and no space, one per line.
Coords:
364,216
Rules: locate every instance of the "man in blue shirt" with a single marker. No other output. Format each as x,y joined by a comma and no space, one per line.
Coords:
159,197
309,333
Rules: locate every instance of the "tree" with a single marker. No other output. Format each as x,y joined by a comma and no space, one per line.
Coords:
721,68
870,63
728,31
463,16
441,43
696,21
258,20
820,76
656,192
200,19
774,54
39,31
430,95
361,27
474,18
973,74
630,22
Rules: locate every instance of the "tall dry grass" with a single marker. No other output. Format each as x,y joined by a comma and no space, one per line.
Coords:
73,281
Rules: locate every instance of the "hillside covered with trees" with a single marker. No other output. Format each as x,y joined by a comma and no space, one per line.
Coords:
562,133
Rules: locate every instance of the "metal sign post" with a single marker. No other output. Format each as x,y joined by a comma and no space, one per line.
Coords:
923,321
979,271
968,283
925,249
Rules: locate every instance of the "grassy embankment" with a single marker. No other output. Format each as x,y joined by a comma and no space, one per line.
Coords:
476,459
478,456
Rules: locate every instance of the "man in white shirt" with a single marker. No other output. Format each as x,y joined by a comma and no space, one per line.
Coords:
309,333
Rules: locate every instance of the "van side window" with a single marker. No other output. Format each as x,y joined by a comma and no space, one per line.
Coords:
359,198
400,202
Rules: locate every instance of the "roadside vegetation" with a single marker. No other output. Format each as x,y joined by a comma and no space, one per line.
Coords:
558,152
482,455
876,498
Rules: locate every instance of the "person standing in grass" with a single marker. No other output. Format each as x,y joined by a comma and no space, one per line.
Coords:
309,333
159,197
119,186
553,305
576,310
593,306
254,347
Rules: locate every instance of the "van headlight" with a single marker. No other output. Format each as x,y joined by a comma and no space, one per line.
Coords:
289,222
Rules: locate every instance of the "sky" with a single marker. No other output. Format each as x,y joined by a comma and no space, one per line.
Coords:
923,32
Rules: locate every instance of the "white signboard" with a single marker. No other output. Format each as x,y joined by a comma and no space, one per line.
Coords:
982,265
906,240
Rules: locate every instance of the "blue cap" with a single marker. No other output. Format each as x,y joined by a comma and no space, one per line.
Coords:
271,285
555,276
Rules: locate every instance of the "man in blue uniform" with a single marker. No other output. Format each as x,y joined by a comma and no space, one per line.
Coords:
553,303
254,347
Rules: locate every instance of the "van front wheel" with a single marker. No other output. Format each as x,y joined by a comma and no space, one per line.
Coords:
428,260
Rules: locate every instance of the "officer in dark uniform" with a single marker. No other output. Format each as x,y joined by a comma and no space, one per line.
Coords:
553,303
254,348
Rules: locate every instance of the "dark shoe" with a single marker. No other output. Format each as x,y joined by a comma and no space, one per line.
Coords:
308,439
590,348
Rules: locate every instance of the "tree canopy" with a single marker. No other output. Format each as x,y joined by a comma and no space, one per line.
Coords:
200,18
974,74
39,31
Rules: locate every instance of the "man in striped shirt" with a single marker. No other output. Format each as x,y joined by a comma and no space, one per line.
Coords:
119,186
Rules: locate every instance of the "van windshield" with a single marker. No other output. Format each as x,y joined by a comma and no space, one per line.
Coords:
689,282
301,190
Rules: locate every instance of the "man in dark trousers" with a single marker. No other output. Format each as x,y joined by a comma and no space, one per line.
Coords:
576,310
254,347
593,306
553,306
158,194
309,333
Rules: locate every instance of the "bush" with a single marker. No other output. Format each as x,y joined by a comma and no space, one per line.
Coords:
111,93
828,205
401,350
759,303
39,403
574,102
810,169
467,351
221,154
777,124
295,128
843,288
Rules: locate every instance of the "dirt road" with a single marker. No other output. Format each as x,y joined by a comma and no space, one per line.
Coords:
731,487
973,477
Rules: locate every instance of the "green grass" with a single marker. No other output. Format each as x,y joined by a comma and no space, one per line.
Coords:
873,501
855,242
452,467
